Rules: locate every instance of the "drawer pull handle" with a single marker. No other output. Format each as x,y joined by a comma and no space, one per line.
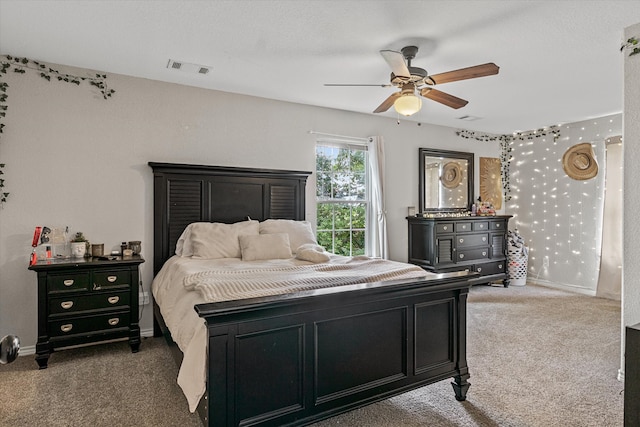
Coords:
497,225
461,240
500,266
113,300
68,282
66,304
479,269
484,239
464,227
481,226
66,328
484,253
96,287
112,279
445,228
114,321
461,255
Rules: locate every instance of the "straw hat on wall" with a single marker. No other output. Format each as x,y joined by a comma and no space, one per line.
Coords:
579,162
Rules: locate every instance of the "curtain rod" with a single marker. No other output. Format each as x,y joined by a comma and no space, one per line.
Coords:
348,138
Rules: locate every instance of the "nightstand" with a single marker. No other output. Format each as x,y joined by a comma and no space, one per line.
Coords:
86,300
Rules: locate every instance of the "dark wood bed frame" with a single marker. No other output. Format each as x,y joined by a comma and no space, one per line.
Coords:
299,358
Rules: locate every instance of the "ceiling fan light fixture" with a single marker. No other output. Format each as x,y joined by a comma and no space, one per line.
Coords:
408,104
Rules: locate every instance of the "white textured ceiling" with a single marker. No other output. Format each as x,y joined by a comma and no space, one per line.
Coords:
559,60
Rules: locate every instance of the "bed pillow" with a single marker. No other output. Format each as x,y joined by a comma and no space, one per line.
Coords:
213,240
299,232
265,246
183,245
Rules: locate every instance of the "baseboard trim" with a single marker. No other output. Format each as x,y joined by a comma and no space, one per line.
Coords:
562,286
29,350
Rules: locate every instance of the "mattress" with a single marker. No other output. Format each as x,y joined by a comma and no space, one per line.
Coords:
184,282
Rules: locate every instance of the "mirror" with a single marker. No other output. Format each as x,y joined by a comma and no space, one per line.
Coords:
446,180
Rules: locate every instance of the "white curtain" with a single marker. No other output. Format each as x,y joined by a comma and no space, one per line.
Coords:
377,244
610,279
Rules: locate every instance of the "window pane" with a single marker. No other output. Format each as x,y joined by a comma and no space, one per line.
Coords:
342,216
323,186
342,243
341,176
324,214
358,187
325,239
358,215
357,239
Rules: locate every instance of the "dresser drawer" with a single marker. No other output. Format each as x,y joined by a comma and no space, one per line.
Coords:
446,227
472,254
480,226
87,324
488,268
467,240
67,282
497,225
111,279
77,303
463,227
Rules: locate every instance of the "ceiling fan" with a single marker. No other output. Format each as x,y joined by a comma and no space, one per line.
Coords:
409,79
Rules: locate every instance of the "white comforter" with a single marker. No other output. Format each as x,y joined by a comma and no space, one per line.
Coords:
184,282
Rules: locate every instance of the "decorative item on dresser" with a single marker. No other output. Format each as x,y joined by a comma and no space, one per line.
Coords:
444,244
86,300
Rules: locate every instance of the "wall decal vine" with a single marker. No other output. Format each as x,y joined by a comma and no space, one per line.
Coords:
631,44
20,66
505,142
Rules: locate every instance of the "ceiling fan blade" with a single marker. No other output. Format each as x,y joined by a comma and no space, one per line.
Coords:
396,62
357,84
387,103
483,70
443,98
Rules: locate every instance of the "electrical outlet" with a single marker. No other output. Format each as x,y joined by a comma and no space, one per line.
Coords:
143,298
545,261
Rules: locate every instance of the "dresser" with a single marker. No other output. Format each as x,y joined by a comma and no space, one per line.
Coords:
86,300
473,243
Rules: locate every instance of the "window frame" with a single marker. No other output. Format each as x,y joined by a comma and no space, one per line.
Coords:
333,201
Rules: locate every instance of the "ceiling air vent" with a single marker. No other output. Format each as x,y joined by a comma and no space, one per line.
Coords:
468,118
188,67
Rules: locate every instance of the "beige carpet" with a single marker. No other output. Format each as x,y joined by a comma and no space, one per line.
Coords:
537,357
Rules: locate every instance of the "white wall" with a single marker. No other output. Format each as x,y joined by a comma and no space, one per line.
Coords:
559,217
75,159
631,154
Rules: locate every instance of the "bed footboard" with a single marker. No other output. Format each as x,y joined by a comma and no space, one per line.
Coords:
296,359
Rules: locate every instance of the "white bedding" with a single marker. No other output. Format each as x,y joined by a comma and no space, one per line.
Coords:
184,282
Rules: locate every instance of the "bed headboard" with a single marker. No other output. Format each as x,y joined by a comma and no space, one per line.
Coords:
186,193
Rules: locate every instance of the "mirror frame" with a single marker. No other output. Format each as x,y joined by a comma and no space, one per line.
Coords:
428,152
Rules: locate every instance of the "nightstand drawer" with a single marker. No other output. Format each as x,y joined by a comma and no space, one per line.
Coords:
67,282
74,304
111,279
82,325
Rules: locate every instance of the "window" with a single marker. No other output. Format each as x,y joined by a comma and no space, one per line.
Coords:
342,197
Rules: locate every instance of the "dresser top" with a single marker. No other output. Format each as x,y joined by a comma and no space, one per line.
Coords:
103,261
459,218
